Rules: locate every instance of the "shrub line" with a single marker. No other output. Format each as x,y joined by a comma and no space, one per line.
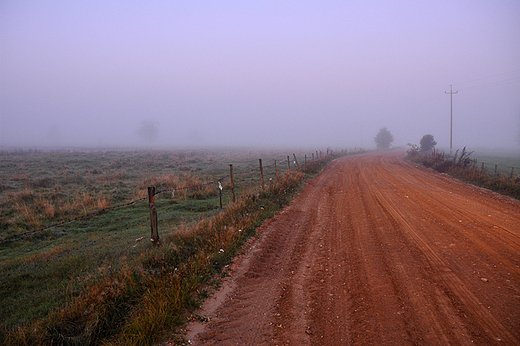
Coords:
464,167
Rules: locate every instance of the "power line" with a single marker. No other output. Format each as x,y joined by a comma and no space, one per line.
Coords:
486,81
492,76
496,83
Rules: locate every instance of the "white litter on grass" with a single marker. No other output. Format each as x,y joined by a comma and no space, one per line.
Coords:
137,241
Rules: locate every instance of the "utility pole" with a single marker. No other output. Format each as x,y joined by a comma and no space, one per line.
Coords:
451,115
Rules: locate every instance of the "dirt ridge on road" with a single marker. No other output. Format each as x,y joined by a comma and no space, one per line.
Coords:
375,251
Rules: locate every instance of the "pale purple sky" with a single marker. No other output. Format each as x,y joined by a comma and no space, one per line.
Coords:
259,73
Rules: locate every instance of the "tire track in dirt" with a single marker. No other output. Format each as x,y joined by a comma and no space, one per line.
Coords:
456,285
375,251
272,259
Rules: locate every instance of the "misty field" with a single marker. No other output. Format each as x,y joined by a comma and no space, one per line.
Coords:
71,220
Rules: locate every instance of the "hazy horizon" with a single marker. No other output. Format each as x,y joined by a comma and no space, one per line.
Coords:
169,74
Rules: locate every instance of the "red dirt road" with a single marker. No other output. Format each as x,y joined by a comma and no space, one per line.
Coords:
376,251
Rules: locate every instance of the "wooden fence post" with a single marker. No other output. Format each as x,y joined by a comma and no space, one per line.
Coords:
232,184
153,215
262,174
288,163
296,161
482,166
276,170
220,192
305,162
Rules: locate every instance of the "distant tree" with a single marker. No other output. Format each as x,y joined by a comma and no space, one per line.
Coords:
427,143
148,131
383,139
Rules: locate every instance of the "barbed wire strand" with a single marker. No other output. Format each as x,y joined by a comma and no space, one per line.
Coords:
51,259
63,223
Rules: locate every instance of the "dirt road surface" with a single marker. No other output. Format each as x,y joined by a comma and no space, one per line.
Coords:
376,251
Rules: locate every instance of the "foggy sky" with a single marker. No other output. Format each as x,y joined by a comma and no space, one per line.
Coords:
259,73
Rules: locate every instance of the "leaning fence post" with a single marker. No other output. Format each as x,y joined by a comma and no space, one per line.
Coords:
153,216
288,163
296,161
232,184
262,174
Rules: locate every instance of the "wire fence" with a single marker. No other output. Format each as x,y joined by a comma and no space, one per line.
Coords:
239,178
498,169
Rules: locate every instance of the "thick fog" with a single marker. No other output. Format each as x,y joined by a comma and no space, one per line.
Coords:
258,73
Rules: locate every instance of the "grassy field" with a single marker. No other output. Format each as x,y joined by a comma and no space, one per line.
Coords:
73,222
43,187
